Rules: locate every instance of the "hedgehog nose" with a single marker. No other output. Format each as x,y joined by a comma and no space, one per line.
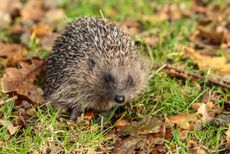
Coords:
119,98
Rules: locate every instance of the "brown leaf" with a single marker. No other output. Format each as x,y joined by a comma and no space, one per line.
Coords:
51,3
215,37
88,115
206,116
8,124
196,105
7,9
129,144
182,120
151,40
11,54
21,80
1,101
147,125
217,64
30,111
10,5
54,16
130,26
41,30
198,150
122,123
33,10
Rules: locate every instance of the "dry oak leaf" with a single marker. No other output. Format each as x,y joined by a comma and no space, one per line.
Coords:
217,64
22,80
11,54
8,124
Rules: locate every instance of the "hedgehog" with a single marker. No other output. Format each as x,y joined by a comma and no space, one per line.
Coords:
94,65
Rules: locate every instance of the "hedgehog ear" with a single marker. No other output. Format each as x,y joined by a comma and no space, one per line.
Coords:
91,63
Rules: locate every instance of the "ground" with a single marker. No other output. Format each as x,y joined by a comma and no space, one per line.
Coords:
184,109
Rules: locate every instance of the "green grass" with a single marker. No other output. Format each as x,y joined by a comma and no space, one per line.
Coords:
163,96
45,132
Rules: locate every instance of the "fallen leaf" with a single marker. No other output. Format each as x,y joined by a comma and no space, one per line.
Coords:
30,111
196,105
198,150
88,115
8,124
41,30
51,3
217,64
11,54
5,20
145,126
7,8
54,16
22,80
203,110
130,26
210,105
129,144
33,10
151,40
1,101
214,37
183,134
182,120
10,5
122,123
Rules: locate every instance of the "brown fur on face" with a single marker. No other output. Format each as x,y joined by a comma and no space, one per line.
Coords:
94,66
126,78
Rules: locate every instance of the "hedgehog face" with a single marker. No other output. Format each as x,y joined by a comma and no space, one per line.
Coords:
118,82
116,89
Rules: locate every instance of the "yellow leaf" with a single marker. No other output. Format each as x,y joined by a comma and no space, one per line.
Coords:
217,64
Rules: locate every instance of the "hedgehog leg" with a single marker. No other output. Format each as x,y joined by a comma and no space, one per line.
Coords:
75,113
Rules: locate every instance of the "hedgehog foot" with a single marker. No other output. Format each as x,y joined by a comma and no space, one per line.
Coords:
75,113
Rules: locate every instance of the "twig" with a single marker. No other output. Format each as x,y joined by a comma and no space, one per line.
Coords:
174,72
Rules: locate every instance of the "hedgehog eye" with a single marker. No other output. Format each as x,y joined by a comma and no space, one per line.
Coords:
130,80
91,64
107,77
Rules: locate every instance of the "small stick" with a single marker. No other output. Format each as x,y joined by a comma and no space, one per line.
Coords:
174,72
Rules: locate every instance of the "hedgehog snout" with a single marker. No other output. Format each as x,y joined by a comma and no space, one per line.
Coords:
120,98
